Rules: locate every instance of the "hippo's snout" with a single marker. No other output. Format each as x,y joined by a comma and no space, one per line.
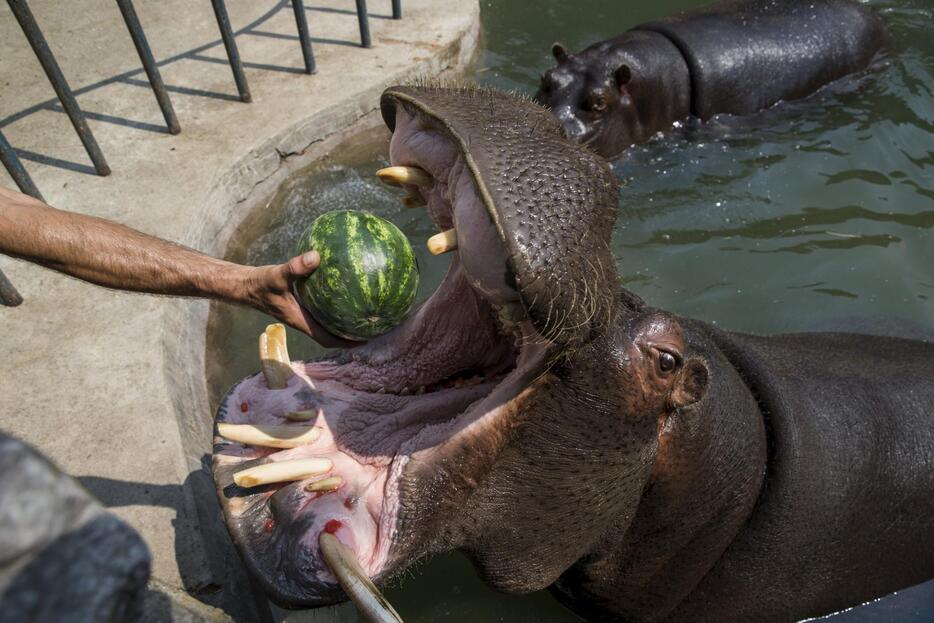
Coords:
574,127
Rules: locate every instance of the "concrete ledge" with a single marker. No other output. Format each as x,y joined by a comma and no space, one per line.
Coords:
111,385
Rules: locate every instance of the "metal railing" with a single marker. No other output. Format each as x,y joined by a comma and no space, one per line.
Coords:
20,8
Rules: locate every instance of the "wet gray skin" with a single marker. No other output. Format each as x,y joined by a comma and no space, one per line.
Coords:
734,57
543,420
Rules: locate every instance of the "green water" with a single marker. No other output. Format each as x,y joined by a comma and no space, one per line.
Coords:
810,215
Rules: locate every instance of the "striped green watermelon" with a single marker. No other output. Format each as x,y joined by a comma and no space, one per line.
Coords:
368,276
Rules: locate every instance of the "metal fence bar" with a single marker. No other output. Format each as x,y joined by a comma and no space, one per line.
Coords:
17,171
149,64
9,297
364,24
396,9
298,6
233,55
28,23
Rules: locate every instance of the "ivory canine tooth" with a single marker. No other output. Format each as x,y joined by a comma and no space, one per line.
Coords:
269,436
395,176
282,471
274,357
443,243
353,579
327,484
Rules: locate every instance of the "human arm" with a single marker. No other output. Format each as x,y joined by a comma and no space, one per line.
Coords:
112,255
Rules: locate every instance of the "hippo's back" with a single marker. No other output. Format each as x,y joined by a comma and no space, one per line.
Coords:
745,56
847,506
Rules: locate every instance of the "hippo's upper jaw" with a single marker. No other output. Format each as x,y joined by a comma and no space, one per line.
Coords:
412,421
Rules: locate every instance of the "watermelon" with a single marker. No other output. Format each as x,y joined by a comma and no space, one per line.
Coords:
368,276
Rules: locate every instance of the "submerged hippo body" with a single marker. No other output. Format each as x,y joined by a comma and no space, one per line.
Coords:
537,416
732,57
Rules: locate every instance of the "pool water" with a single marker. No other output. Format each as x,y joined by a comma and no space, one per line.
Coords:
814,214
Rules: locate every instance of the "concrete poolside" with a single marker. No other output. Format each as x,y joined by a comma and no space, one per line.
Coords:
110,385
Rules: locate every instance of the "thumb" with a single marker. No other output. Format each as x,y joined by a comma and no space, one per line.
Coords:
302,265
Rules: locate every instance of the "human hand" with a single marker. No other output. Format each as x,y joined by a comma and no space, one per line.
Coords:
271,289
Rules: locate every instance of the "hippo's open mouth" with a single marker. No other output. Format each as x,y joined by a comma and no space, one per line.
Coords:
416,393
381,447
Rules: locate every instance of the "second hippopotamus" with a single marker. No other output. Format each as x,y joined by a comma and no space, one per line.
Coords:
730,57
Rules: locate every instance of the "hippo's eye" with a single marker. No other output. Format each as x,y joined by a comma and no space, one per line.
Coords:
666,361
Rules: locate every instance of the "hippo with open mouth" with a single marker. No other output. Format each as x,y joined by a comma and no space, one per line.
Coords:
730,57
561,432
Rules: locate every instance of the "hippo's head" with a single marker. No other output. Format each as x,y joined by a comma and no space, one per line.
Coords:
586,96
617,92
515,415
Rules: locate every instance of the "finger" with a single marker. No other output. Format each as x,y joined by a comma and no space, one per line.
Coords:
294,317
302,265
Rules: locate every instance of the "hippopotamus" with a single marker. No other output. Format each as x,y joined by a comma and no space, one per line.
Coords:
732,57
564,433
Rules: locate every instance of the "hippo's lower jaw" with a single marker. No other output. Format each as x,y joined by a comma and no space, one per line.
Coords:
442,385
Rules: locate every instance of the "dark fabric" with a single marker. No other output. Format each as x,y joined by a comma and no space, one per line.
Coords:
96,573
62,557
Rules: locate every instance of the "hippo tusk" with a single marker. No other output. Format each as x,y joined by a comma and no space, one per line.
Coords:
395,176
443,243
282,471
361,590
331,483
269,436
274,357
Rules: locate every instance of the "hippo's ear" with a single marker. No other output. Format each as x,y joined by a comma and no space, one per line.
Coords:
623,75
559,52
692,385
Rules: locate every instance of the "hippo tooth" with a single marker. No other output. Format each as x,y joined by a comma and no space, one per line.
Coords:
411,201
302,416
354,581
282,471
274,357
394,176
443,243
331,483
269,436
